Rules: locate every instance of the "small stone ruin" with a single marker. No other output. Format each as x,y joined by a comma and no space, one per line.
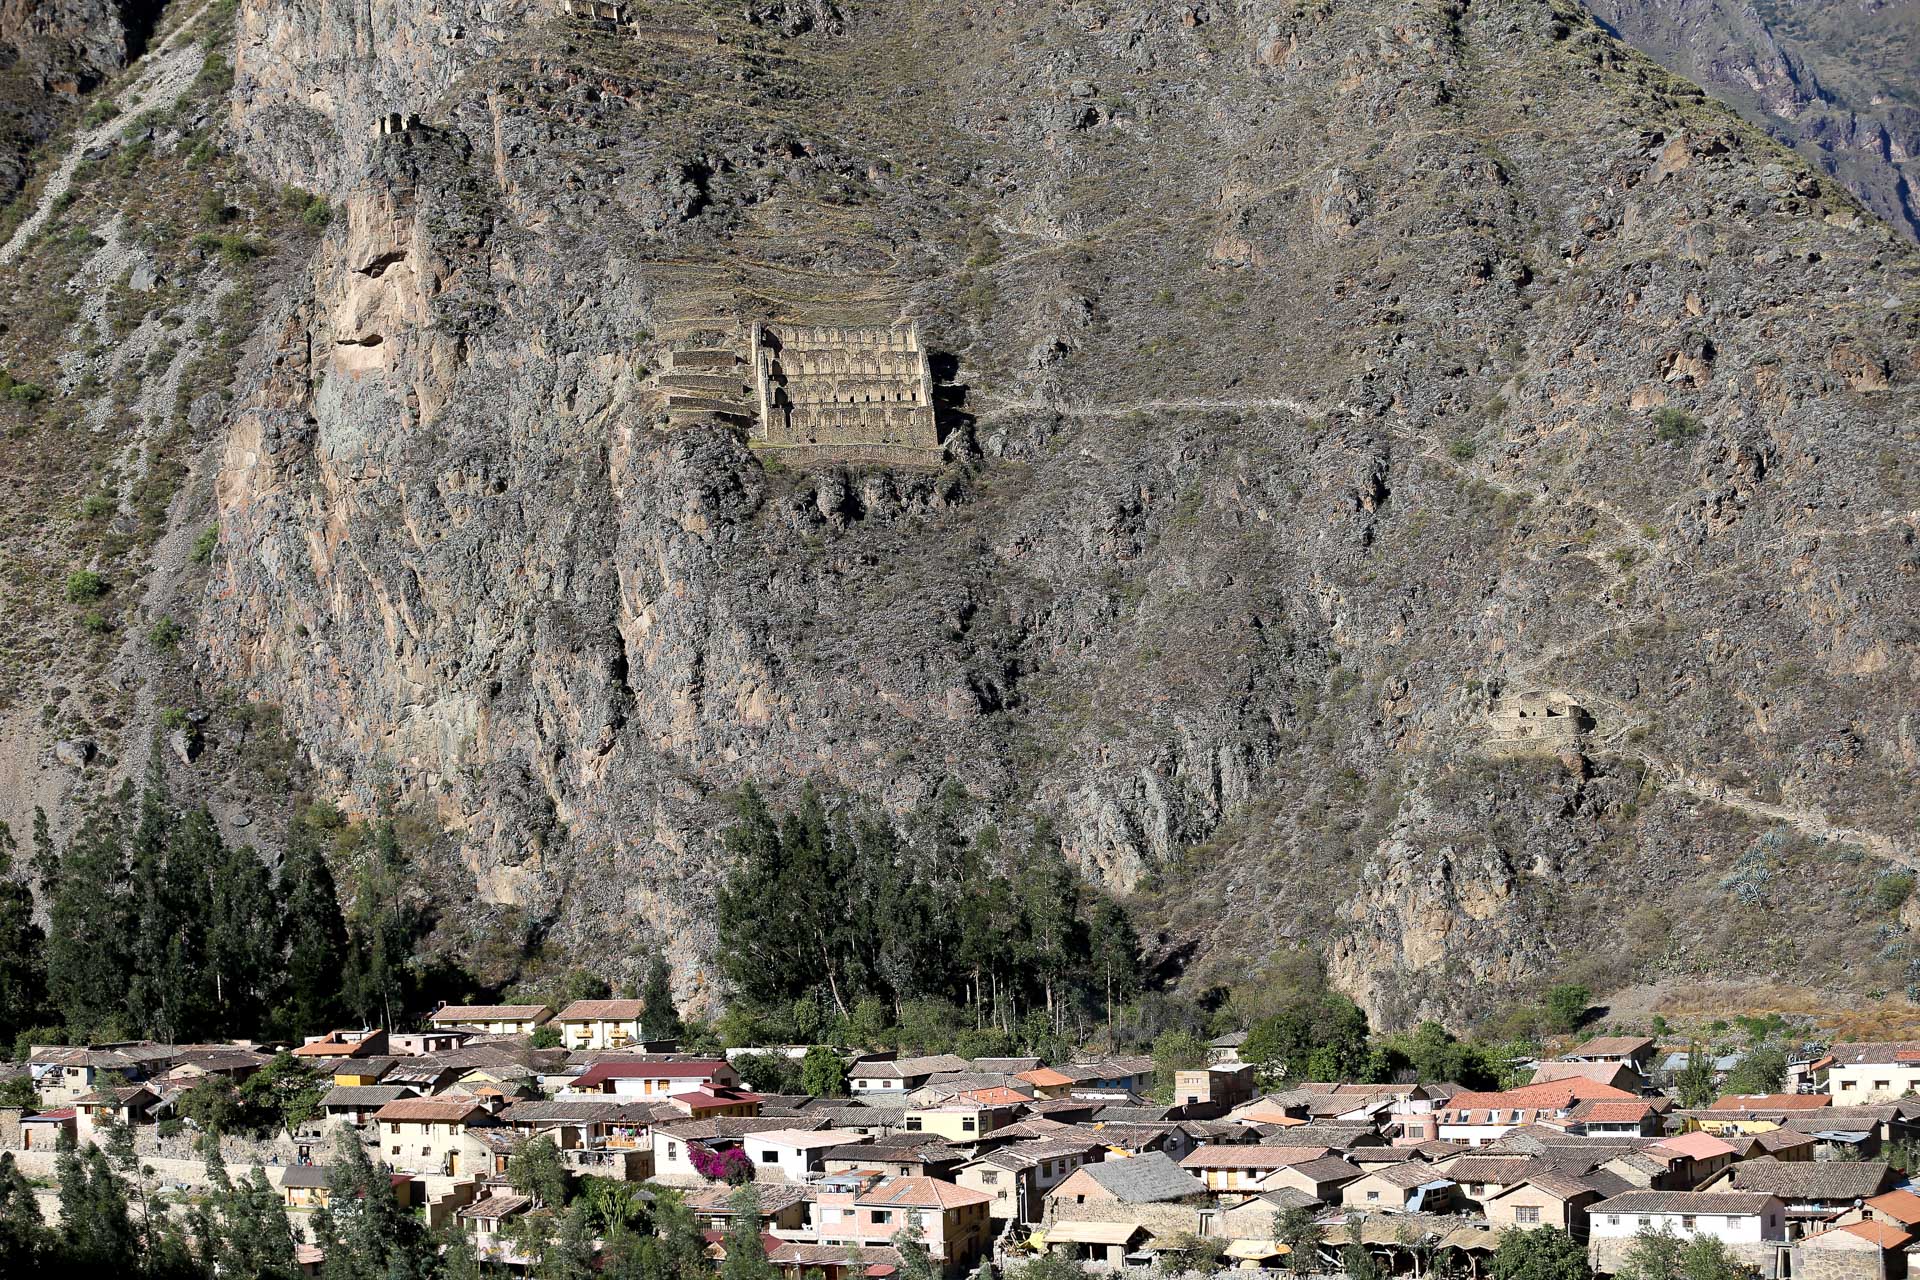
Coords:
395,122
607,13
1545,722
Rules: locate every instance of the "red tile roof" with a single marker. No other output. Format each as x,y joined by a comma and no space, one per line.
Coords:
920,1193
611,1010
1612,1111
1897,1206
1883,1234
1700,1146
1770,1102
428,1110
600,1072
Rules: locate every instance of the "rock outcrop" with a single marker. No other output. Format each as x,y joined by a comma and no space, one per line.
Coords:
1310,379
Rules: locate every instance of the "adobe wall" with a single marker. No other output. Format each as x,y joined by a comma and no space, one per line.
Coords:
1609,1253
1839,1264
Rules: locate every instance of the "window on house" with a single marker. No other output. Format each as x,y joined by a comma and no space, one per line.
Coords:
1883,1084
673,1151
1646,1224
881,1217
1373,1195
1688,1222
1527,1215
769,1157
1613,1219
966,1124
990,1177
394,1151
913,1124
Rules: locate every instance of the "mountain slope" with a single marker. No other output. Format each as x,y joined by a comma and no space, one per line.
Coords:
1839,82
1318,374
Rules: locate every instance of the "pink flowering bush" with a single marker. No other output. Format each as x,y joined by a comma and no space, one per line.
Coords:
730,1166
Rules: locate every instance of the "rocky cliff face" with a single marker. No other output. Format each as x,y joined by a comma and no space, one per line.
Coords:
1835,81
51,53
1316,377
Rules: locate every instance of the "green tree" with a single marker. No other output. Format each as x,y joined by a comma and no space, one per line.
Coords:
1318,1035
313,930
1296,1229
823,1074
535,1169
242,1228
90,920
1660,1255
1051,935
916,1262
286,1093
656,998
1566,1005
1114,954
96,1234
23,1236
1187,1252
214,1106
1694,1083
1762,1070
1543,1253
746,1254
23,966
365,1232
1358,1264
243,949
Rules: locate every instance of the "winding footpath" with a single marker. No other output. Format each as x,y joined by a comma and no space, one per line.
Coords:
164,74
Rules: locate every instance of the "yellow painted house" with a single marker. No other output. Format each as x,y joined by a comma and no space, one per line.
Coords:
493,1019
601,1024
957,1122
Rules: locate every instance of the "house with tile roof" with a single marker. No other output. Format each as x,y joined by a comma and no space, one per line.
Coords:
791,1155
1017,1178
356,1105
1872,1071
1900,1207
1322,1179
953,1221
601,1024
429,1135
1753,1226
1550,1198
653,1078
1479,1118
345,1042
1614,1117
1620,1075
1245,1167
494,1019
1633,1052
901,1076
1854,1251
1413,1186
1810,1189
1136,1180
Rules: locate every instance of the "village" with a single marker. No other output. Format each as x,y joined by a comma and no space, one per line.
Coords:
945,1165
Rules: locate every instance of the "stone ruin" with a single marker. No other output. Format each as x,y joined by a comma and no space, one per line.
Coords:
395,122
599,12
1547,722
812,392
864,391
699,382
